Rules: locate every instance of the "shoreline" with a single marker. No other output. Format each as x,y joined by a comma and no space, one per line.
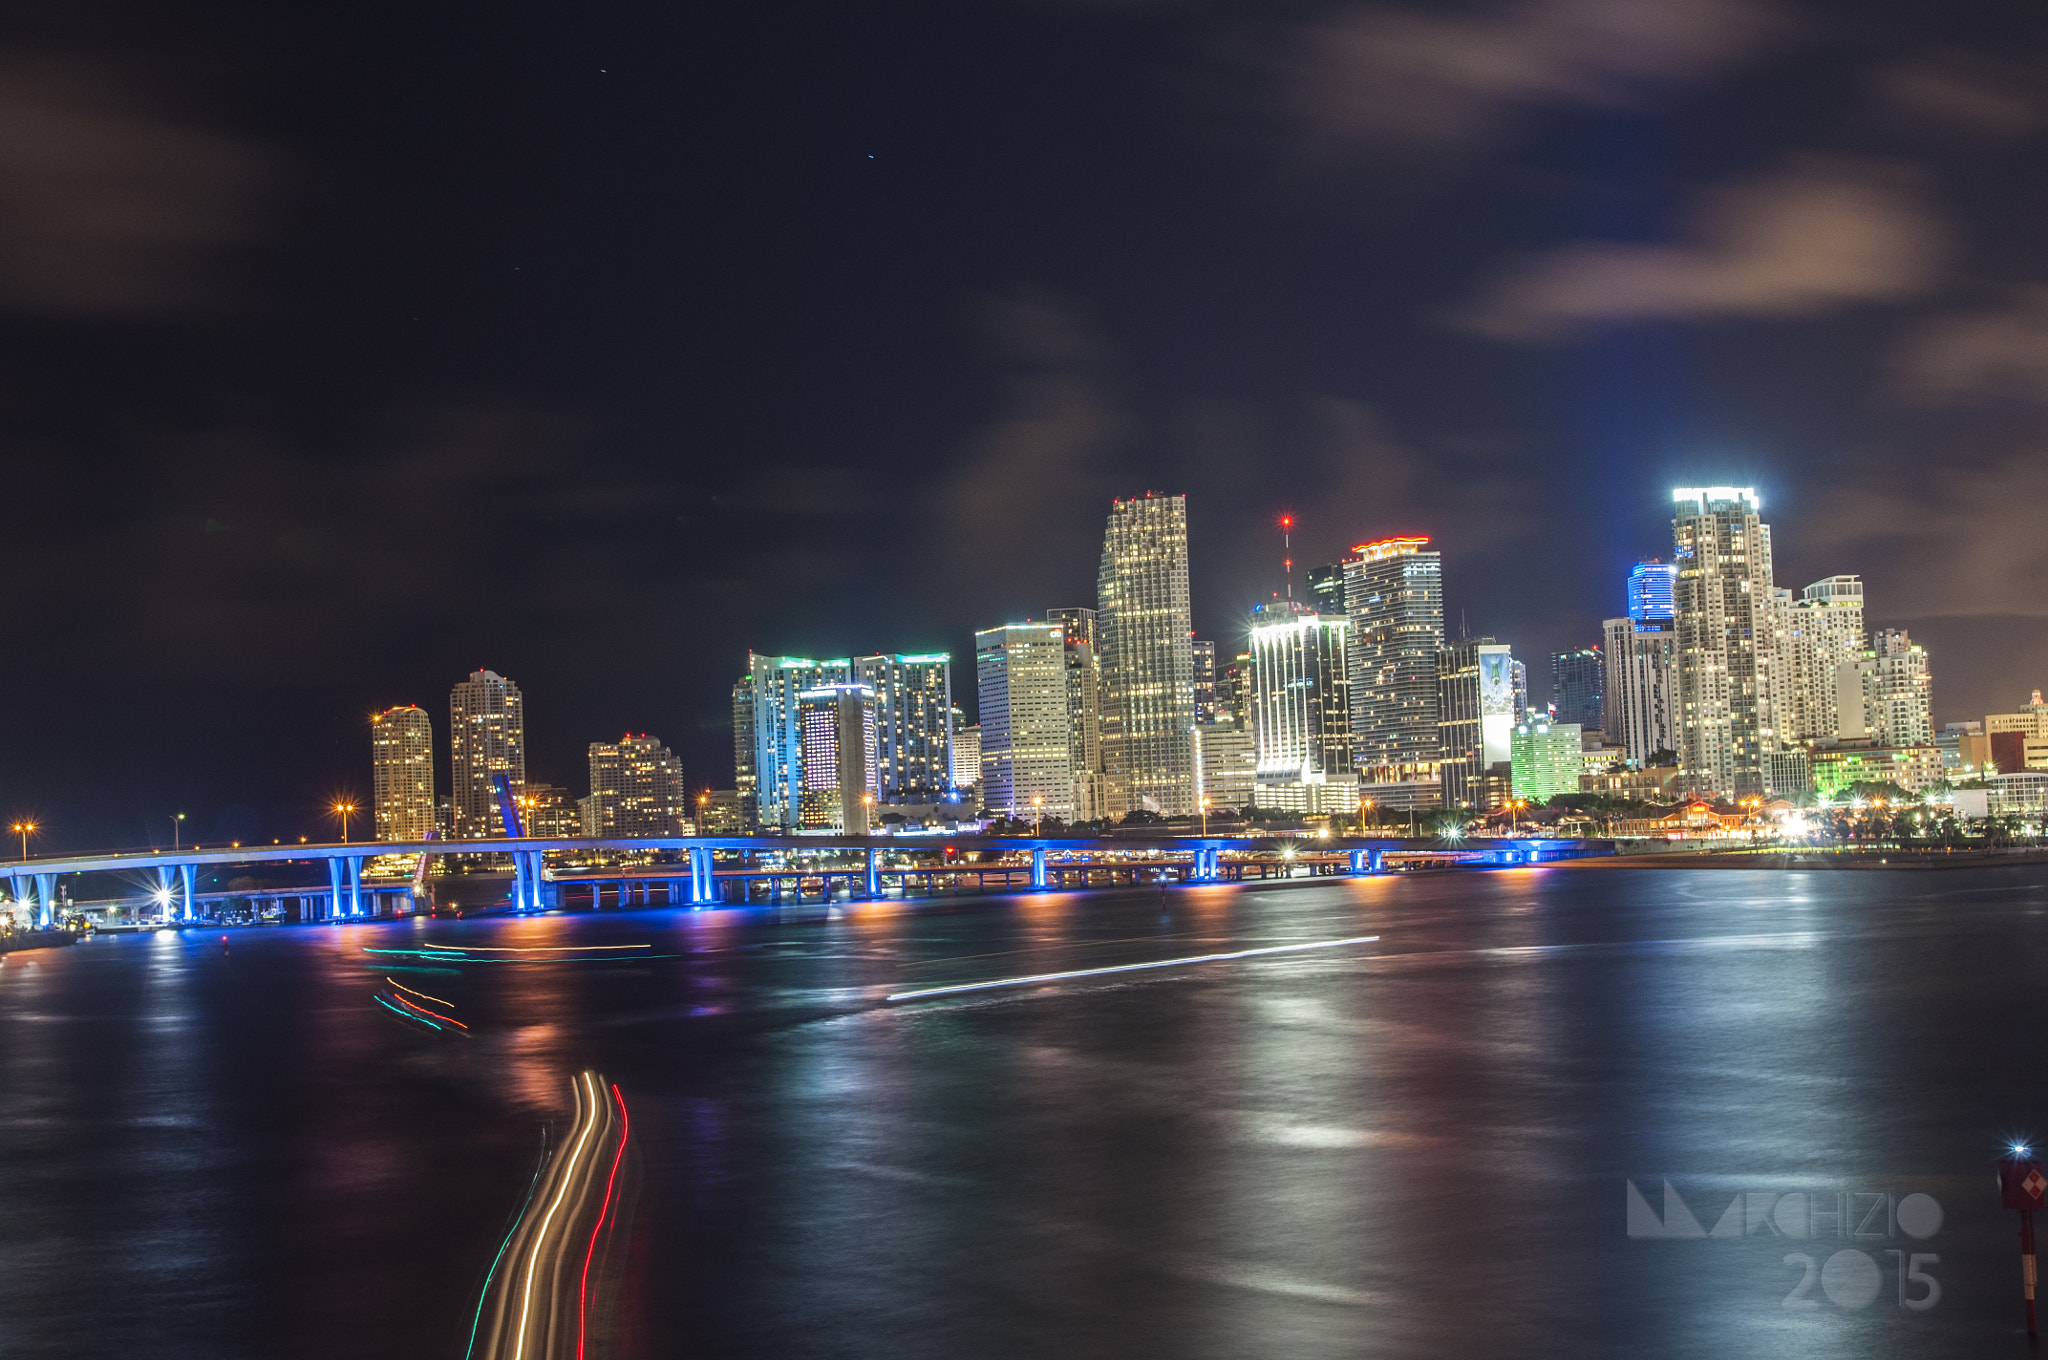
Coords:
1808,859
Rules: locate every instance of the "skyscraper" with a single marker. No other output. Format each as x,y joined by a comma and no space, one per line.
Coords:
1205,680
1147,657
1393,594
745,753
1653,591
1475,716
1084,711
402,773
1578,681
1642,686
840,731
1300,710
966,755
1894,690
775,684
636,788
1823,633
1723,606
1548,759
913,710
1020,672
486,736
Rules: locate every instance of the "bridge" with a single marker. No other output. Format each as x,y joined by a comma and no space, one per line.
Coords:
689,872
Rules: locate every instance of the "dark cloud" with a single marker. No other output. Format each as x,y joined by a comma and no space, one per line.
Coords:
1812,238
1411,81
1967,356
1953,91
112,202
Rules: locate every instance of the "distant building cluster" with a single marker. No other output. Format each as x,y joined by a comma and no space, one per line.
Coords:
1715,683
636,783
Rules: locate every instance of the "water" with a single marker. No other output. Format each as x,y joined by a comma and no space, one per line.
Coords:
1419,1147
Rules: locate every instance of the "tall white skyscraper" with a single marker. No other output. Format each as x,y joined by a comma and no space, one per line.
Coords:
1727,718
1822,633
486,736
1148,659
1020,672
775,685
402,773
1301,710
1642,706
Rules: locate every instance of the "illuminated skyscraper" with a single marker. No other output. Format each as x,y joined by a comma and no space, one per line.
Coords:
1300,711
1894,688
1084,710
1642,686
1475,716
402,773
1026,727
1205,680
636,788
1148,661
1578,686
1652,592
486,736
775,684
841,758
1723,604
1822,634
966,754
913,712
745,752
1394,595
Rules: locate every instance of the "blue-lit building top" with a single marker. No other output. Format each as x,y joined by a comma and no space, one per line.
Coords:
1652,592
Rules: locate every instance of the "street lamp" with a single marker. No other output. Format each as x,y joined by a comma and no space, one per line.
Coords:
24,830
344,809
177,831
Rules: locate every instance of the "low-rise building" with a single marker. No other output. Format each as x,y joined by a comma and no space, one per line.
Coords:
1913,768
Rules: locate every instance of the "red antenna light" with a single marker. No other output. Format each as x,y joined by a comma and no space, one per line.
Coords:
1287,544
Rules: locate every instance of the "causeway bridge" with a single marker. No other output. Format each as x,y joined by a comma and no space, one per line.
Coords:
551,873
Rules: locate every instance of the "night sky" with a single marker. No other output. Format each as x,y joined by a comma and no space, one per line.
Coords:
351,347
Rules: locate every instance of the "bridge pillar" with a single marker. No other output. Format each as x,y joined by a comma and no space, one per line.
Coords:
1358,861
46,900
333,887
355,885
874,872
1376,862
190,873
536,864
1038,866
707,875
20,890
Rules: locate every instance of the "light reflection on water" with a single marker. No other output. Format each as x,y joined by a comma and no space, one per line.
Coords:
1415,1149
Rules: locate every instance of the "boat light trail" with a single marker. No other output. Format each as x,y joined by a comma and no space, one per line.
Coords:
540,1238
407,1014
1129,968
429,1016
421,995
530,948
603,1208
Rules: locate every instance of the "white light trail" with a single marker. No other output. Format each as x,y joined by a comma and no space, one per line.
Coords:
1130,967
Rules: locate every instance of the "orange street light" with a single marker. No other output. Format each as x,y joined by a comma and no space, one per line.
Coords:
24,830
344,809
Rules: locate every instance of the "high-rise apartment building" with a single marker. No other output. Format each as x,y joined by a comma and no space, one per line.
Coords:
1300,703
839,728
775,685
636,788
1891,693
1148,660
1205,680
967,756
1020,672
486,737
1578,686
1641,710
1475,716
402,773
914,709
1084,711
1820,634
549,812
1394,598
1727,722
745,753
1226,767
